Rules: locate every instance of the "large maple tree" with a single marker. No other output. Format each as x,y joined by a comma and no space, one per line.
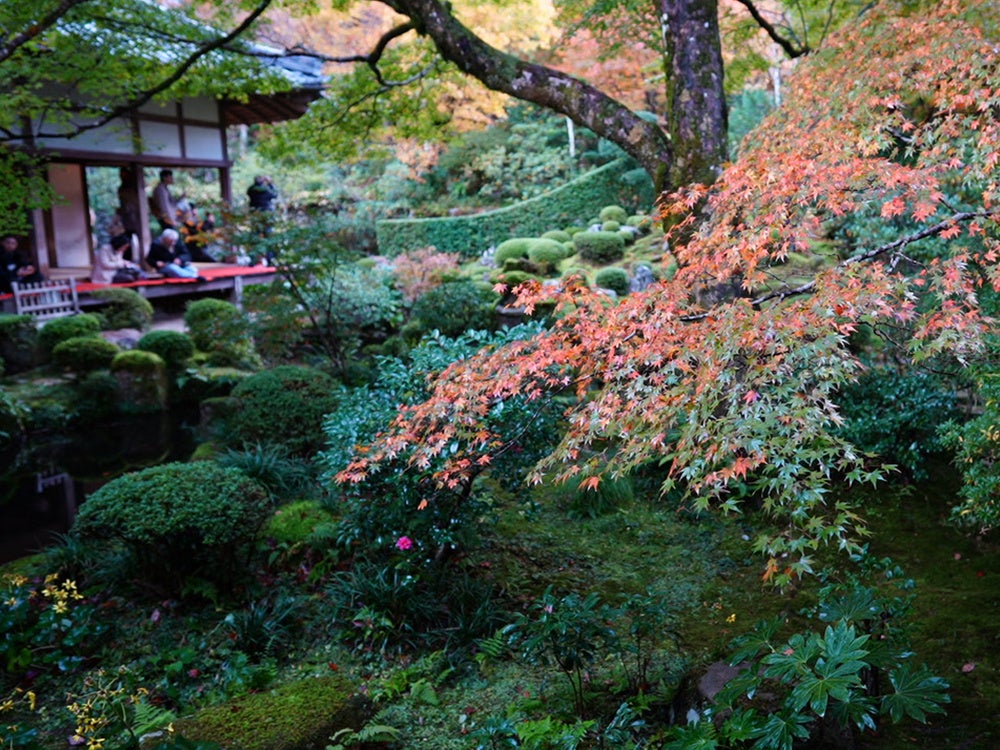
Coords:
727,374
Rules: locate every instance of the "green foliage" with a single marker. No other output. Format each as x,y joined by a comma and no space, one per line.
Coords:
599,247
976,446
515,247
173,347
456,307
179,521
13,415
559,235
264,627
220,330
46,625
471,235
84,354
896,416
615,279
571,631
60,329
18,339
613,213
546,252
283,405
123,308
137,362
270,465
845,678
294,523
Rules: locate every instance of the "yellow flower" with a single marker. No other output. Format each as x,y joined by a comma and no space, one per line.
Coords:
7,705
60,607
12,602
32,699
51,577
731,618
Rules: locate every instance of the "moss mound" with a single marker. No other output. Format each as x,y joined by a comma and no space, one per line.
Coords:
301,715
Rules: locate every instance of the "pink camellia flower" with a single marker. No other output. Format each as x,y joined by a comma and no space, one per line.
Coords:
404,543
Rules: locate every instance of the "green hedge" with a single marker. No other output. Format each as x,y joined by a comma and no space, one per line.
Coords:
471,235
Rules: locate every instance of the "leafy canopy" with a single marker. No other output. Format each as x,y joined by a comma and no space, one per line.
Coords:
726,374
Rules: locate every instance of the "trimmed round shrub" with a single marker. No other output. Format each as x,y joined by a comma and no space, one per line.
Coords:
173,347
83,354
221,331
142,381
514,278
546,252
614,213
614,279
71,327
642,222
559,235
611,226
18,340
599,247
123,308
179,520
283,405
511,249
457,307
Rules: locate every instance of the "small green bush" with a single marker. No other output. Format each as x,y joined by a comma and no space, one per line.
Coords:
599,247
173,347
614,213
546,253
456,307
610,226
179,520
220,330
559,235
123,308
294,523
286,405
615,279
142,381
137,362
60,329
514,278
18,340
83,354
516,247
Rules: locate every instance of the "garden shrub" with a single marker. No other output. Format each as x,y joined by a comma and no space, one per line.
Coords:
18,339
599,247
71,327
456,307
220,330
419,271
285,405
514,278
559,235
178,521
615,279
613,213
516,247
83,354
896,415
271,466
98,397
546,253
13,416
123,308
173,347
610,226
141,380
295,523
976,446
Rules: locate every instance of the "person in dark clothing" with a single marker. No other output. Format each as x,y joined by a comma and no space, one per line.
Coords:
13,267
262,194
163,256
196,232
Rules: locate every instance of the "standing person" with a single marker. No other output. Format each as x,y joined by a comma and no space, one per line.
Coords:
110,265
162,203
262,194
13,266
128,200
165,256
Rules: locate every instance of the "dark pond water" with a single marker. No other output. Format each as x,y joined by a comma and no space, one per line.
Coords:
44,480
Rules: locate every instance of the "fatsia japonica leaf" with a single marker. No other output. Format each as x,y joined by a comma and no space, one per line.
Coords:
915,693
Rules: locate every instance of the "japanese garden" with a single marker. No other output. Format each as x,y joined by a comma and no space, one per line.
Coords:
541,374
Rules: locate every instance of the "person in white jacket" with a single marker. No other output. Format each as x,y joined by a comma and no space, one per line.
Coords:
110,266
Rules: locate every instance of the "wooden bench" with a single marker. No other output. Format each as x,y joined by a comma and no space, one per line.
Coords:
45,300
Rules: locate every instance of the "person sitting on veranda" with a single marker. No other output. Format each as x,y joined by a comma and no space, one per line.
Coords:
13,267
164,257
110,266
196,232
